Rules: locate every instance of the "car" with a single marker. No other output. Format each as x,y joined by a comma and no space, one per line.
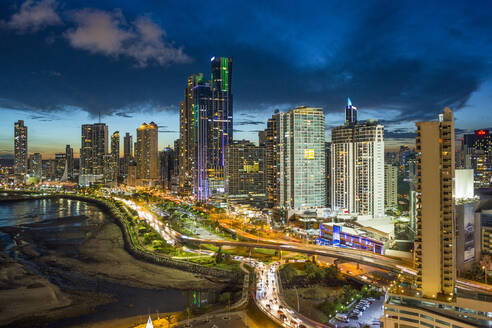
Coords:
354,316
372,299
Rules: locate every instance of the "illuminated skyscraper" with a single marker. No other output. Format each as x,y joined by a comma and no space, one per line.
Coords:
357,167
20,148
70,161
350,113
477,153
127,152
436,302
434,246
390,186
146,154
166,167
272,144
246,173
220,129
94,146
302,158
36,165
206,131
115,155
188,125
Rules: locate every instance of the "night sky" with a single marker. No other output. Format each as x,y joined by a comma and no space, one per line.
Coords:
64,62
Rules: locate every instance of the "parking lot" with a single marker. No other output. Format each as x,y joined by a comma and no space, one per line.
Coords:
370,316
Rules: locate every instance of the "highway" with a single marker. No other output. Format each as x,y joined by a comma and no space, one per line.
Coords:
345,254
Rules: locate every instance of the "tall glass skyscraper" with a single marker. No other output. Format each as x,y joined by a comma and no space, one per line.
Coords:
206,131
302,158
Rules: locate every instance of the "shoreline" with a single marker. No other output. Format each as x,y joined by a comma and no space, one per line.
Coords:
47,274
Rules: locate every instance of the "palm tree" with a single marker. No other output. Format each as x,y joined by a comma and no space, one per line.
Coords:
485,262
169,317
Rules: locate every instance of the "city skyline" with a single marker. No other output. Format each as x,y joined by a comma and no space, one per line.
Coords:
400,81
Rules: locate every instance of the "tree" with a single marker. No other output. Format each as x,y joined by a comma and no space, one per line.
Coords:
218,256
287,273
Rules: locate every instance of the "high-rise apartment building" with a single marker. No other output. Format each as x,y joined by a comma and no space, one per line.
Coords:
115,156
328,172
246,173
127,152
390,186
94,146
166,167
477,155
357,167
436,302
60,167
302,158
146,154
70,161
272,144
36,165
435,243
20,148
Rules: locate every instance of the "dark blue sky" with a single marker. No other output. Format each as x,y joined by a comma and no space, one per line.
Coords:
63,62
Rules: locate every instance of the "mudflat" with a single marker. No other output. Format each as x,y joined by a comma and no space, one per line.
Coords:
68,267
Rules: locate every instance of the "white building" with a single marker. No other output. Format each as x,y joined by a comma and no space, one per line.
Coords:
357,168
302,158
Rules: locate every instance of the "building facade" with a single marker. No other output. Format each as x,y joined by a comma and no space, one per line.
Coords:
166,167
390,186
246,173
146,154
127,152
36,165
272,144
115,156
357,167
477,155
206,132
302,158
20,148
94,146
434,245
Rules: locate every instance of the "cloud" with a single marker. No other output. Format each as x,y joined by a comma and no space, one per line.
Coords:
125,115
243,123
108,33
34,16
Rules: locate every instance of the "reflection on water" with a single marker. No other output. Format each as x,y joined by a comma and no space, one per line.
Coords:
129,301
31,211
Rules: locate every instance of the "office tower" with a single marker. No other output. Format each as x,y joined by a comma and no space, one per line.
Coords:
20,148
50,169
70,161
36,165
246,173
434,247
357,168
477,153
127,152
220,129
146,154
390,186
115,155
272,144
166,167
350,113
328,172
188,123
60,166
94,146
302,158
206,131
262,138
